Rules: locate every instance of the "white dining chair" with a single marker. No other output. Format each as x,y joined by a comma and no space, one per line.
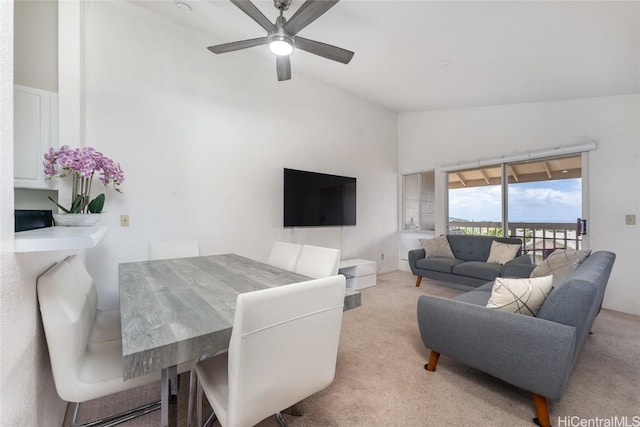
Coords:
168,249
283,348
285,255
317,262
85,348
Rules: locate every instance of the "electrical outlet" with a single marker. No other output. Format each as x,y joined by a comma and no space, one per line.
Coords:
630,219
124,220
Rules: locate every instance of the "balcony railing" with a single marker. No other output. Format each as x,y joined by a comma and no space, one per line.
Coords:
539,239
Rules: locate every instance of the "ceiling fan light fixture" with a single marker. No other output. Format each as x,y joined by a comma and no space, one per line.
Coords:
281,45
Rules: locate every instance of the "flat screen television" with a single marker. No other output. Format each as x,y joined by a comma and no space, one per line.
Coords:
316,199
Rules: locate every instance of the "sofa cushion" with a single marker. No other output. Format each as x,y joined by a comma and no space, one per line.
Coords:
444,265
478,269
523,296
559,264
487,287
502,253
476,297
437,247
473,247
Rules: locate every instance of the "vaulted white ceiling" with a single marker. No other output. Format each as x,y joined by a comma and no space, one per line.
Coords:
420,55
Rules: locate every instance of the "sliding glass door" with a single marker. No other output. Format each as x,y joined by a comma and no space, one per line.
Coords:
545,203
540,201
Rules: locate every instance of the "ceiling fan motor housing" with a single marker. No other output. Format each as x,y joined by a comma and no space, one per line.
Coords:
282,4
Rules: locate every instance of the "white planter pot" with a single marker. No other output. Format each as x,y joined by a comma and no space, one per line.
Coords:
77,219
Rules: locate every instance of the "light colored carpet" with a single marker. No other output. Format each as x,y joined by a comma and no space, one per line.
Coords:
380,378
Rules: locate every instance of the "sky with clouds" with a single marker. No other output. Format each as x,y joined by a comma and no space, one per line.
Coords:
541,201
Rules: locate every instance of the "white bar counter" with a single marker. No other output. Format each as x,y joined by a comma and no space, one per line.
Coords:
58,238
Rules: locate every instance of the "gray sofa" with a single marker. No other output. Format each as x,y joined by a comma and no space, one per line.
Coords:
469,269
534,353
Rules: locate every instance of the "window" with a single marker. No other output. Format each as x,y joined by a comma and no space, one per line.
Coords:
418,201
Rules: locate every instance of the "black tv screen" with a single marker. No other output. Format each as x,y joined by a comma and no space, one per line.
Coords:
316,199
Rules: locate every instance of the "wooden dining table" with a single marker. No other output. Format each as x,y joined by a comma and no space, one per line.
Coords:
177,311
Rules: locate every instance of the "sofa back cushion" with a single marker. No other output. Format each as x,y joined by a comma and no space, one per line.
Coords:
560,264
438,247
577,299
475,248
502,253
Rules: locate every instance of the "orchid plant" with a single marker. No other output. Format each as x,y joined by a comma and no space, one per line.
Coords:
82,164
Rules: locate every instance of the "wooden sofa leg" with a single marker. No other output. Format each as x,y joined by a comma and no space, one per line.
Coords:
433,361
418,280
542,410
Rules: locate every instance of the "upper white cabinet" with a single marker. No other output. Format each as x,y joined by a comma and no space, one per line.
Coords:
35,130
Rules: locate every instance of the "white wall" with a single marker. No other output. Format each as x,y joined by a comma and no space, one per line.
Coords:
27,392
430,139
203,140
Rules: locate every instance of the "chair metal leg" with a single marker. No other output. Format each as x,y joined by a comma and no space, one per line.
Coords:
212,419
115,419
195,384
195,398
281,420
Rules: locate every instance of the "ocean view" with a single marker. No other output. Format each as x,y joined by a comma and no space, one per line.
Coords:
552,201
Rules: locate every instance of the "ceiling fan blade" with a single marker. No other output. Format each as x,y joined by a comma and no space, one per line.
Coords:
254,13
283,67
306,14
242,44
325,50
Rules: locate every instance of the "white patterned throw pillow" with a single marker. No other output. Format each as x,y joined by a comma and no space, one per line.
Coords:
524,296
437,247
502,253
560,263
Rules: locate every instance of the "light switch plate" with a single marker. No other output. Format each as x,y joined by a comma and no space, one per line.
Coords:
630,219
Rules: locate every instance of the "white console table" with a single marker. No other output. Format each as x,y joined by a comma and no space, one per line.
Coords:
360,273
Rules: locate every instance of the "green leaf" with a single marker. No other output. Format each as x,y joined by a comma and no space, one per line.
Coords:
97,204
76,206
60,206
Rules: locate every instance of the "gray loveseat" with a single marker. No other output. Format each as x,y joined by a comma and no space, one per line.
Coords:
469,269
534,353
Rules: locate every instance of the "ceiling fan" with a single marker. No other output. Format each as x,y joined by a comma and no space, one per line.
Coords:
282,36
